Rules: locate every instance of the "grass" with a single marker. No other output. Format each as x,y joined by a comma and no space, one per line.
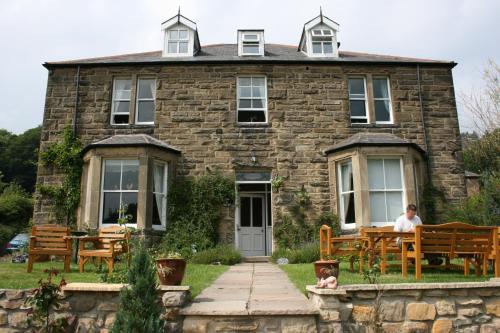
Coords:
303,274
14,276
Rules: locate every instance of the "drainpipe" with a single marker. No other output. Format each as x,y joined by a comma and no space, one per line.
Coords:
76,99
426,142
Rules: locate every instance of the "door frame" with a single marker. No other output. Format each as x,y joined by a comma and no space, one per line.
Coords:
268,230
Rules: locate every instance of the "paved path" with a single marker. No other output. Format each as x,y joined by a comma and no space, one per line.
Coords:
251,289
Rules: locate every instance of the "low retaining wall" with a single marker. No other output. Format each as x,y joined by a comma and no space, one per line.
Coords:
93,304
413,307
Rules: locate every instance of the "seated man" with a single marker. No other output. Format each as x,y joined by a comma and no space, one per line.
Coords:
407,223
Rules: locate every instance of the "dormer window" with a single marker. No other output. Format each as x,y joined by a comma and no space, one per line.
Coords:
251,43
322,41
178,40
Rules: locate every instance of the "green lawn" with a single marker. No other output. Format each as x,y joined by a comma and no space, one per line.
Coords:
14,276
303,274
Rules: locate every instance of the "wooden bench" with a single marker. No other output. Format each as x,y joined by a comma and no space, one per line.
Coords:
341,246
451,240
109,244
49,239
495,253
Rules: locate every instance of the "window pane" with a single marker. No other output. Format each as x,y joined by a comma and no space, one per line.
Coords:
251,48
123,85
121,107
327,32
358,108
316,32
317,48
245,92
257,212
357,87
258,91
359,120
380,89
244,81
110,207
393,174
377,207
120,119
172,47
394,205
174,34
130,175
258,81
159,178
251,116
245,212
146,111
375,174
250,37
146,88
382,111
112,171
327,47
183,34
346,174
348,214
129,200
122,94
245,103
258,103
183,47
157,209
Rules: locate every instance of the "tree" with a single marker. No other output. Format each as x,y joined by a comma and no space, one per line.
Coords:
140,309
483,155
484,105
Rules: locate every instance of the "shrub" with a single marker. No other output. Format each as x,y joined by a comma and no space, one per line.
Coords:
307,253
328,219
223,254
139,309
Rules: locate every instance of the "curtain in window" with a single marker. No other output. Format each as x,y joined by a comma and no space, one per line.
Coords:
158,190
346,187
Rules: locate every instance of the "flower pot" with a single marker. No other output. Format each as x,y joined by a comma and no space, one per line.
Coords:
170,271
321,266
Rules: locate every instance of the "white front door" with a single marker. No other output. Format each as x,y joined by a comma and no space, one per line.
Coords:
251,225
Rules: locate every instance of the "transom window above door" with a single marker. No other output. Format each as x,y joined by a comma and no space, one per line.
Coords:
252,99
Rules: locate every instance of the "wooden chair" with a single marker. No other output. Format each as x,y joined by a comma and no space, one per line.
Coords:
49,239
452,240
109,244
495,253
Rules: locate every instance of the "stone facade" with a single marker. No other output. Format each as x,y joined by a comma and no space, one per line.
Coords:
90,307
424,308
308,111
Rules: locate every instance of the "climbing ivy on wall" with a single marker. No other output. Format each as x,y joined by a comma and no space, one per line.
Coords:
65,156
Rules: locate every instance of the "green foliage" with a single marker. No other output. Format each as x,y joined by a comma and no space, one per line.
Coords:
329,219
221,254
371,274
16,209
194,212
19,156
483,155
66,157
43,300
482,208
306,253
139,309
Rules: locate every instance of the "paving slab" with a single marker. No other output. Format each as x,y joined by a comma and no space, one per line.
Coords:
251,289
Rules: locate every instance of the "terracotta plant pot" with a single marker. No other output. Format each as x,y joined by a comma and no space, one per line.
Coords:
321,265
170,271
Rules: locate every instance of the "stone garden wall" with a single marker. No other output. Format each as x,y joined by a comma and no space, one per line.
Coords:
94,306
410,308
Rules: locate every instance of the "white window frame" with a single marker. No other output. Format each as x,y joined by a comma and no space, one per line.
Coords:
242,41
101,205
137,100
238,109
114,100
250,42
343,225
322,40
178,40
365,98
385,190
389,99
163,218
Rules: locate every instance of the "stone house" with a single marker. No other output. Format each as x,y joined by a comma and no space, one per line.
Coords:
361,133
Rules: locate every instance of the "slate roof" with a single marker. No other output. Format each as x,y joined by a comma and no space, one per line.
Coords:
228,53
132,140
371,139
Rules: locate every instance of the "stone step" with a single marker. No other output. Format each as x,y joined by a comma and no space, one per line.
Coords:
250,324
253,259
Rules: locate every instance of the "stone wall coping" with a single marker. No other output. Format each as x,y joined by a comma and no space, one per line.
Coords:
113,287
403,286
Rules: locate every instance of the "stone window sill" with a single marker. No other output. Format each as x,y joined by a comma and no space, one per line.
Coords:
375,125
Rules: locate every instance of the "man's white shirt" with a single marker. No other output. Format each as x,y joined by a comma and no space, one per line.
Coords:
403,224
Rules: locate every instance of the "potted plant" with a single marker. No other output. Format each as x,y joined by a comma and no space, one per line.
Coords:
327,267
170,267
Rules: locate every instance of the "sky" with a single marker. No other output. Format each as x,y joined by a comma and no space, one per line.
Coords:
35,31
